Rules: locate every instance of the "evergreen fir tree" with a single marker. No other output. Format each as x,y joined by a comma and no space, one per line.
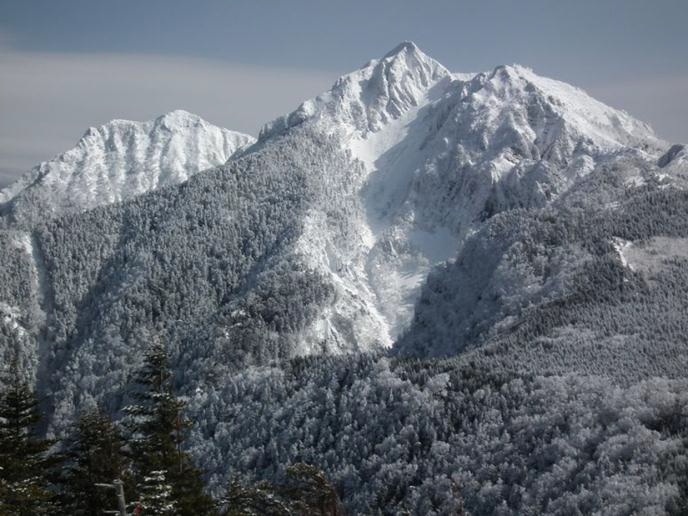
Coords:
156,496
24,462
158,432
94,456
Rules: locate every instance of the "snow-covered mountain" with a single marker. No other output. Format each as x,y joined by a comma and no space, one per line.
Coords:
423,158
118,161
503,219
427,156
441,153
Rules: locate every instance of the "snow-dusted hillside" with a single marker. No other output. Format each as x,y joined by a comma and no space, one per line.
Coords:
120,160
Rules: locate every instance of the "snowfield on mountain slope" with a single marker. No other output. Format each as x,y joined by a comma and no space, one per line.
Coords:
652,255
120,160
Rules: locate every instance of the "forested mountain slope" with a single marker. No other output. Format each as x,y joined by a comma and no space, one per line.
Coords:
595,283
406,216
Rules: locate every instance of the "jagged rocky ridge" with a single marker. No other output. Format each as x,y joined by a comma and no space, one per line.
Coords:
443,152
118,161
562,220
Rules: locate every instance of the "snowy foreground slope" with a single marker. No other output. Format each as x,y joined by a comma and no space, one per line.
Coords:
118,161
522,242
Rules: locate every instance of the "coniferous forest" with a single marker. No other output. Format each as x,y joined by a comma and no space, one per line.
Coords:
135,466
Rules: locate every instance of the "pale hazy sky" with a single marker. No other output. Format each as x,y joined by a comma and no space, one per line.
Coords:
69,64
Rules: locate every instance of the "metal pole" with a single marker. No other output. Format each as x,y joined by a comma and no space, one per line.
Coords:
118,486
121,502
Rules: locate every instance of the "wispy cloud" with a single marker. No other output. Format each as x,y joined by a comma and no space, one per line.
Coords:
47,100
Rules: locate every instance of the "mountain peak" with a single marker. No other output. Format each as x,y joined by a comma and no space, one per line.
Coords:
368,98
404,46
406,59
179,118
508,88
121,159
510,96
511,71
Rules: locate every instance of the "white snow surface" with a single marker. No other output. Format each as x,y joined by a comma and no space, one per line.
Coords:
650,256
621,247
123,158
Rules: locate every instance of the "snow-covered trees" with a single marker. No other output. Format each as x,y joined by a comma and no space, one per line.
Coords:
218,249
546,290
167,481
430,437
145,452
155,495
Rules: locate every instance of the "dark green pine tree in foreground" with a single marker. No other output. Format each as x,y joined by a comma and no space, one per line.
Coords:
94,455
158,432
24,462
